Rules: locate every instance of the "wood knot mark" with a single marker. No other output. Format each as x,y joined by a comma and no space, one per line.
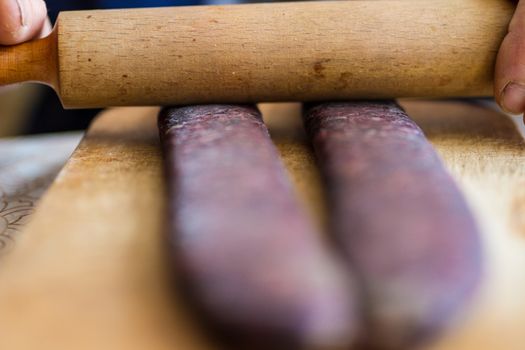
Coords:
344,80
444,80
319,68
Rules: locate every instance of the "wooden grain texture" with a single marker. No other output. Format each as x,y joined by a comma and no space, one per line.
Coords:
296,51
89,272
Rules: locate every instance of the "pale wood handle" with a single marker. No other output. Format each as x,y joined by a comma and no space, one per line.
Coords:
297,51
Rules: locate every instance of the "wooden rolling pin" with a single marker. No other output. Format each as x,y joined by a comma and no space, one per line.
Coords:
301,51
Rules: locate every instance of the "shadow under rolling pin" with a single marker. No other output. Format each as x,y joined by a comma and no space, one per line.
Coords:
300,51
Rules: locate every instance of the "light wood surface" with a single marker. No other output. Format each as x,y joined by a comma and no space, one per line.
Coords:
101,281
486,154
89,272
296,51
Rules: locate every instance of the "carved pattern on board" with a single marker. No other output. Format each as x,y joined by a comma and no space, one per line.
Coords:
16,208
28,165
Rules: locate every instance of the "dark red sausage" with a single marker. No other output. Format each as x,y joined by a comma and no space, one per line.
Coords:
404,227
251,257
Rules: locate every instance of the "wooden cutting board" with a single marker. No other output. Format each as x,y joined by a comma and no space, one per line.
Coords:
89,272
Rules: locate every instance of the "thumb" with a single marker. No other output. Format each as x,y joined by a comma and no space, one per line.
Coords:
21,20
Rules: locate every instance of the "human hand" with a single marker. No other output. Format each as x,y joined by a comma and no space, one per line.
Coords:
509,83
22,20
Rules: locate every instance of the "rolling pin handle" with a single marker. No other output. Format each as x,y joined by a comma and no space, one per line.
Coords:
32,61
